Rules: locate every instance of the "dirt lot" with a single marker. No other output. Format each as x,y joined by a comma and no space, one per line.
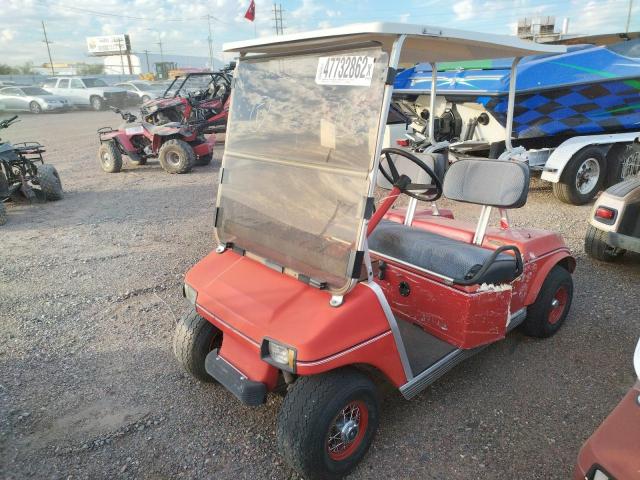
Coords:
90,293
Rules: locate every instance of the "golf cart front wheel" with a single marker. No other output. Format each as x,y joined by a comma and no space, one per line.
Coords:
176,156
109,157
547,314
596,246
194,338
582,178
49,182
327,423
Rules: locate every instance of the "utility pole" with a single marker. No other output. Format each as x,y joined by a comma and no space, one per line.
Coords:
210,43
160,45
120,52
629,16
146,54
46,40
277,19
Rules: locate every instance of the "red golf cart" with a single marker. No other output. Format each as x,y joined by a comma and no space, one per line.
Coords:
313,290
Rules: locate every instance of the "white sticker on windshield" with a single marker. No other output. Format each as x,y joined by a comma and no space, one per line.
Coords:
353,70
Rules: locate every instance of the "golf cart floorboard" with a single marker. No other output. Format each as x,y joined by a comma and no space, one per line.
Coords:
423,349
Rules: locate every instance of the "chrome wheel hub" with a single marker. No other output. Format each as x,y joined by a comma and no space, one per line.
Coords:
349,431
588,175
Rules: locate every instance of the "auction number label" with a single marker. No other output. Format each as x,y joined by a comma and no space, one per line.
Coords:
354,70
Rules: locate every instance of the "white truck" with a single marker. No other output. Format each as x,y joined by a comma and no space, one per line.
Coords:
87,92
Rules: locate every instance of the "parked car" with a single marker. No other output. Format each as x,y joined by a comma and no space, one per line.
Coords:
31,99
613,451
87,92
141,91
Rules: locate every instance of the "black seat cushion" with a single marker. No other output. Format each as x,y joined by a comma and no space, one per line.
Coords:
451,258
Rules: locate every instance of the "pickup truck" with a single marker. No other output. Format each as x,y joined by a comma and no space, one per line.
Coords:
87,91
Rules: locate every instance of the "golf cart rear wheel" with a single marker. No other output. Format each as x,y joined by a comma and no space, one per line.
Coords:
49,182
547,314
34,107
596,246
327,423
582,178
176,156
194,338
109,157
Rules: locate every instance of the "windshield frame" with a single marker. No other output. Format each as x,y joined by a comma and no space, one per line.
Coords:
359,253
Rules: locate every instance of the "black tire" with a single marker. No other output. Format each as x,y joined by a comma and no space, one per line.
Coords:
4,185
97,103
310,409
204,160
3,213
35,108
596,246
49,182
176,156
566,190
110,157
544,316
194,338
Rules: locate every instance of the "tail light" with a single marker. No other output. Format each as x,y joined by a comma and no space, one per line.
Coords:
403,142
605,213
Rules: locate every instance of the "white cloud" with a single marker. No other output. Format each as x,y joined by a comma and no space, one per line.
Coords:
463,10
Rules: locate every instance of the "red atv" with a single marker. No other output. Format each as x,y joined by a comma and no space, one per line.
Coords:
200,99
177,146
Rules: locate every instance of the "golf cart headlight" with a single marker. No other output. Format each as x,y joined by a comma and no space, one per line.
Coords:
190,293
278,355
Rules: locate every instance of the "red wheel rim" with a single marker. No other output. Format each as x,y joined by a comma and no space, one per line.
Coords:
347,430
558,305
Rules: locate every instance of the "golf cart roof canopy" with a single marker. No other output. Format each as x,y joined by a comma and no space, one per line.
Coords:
423,43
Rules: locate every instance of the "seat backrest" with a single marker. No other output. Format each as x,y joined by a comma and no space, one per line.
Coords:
482,181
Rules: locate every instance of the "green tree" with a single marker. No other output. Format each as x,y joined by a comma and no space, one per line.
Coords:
26,68
7,70
91,69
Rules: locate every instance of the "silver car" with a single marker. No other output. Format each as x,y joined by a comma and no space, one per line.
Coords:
145,91
31,99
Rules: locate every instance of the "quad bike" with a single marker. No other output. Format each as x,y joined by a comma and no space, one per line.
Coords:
615,219
22,170
177,146
314,292
207,105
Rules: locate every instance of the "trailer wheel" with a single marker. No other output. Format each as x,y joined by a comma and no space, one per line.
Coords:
49,182
582,177
546,315
596,246
327,423
109,157
176,156
194,338
3,213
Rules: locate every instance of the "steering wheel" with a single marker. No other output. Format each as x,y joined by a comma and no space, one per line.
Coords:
419,191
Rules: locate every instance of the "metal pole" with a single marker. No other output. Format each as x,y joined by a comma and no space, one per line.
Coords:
432,103
511,103
146,54
46,40
210,43
629,16
121,59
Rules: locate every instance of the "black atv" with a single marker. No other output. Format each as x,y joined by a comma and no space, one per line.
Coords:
22,170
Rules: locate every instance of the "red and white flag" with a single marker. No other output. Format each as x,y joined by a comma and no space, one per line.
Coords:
251,11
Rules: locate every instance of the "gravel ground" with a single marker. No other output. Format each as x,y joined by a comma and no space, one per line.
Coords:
90,292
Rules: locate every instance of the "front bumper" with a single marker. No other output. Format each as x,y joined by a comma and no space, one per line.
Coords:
249,392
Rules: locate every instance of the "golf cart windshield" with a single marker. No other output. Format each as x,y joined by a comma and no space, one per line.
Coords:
297,165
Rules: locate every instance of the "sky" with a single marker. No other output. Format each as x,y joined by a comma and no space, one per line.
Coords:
182,25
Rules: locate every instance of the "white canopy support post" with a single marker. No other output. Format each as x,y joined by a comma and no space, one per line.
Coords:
432,104
511,101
